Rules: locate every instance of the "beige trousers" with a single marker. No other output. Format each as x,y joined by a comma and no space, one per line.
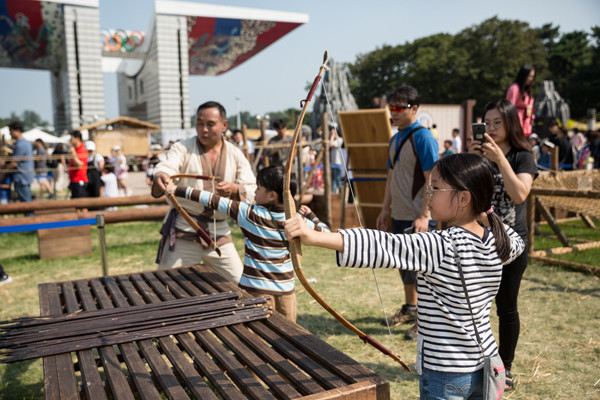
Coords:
187,252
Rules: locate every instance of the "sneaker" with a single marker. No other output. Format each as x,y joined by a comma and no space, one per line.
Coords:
411,334
404,316
5,279
510,382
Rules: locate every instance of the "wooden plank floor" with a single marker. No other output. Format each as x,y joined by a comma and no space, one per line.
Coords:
268,359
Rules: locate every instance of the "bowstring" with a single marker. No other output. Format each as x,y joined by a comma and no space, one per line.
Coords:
352,194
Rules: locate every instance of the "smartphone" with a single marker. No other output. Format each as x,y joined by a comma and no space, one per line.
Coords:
409,230
478,131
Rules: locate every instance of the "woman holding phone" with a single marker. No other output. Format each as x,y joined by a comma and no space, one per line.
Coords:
514,171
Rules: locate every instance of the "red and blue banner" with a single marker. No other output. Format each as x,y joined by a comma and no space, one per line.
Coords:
31,34
216,45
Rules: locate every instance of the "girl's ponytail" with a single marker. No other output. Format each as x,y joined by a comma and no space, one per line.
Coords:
502,239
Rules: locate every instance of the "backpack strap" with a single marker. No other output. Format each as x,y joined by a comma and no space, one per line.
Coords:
395,159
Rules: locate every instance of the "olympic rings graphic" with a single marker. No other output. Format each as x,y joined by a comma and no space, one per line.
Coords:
121,39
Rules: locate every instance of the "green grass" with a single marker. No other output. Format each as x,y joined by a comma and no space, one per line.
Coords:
560,313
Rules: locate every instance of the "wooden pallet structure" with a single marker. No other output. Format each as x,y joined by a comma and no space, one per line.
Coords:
367,134
572,191
264,359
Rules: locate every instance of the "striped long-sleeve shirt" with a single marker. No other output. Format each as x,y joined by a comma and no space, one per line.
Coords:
446,340
267,264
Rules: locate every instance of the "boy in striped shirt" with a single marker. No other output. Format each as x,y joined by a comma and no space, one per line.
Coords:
267,265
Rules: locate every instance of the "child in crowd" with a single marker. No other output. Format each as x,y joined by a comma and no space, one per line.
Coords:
544,158
268,268
109,186
448,354
447,148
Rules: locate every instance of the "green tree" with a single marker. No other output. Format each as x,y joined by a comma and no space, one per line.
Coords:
480,62
30,119
573,66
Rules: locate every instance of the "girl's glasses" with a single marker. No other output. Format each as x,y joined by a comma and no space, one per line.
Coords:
430,190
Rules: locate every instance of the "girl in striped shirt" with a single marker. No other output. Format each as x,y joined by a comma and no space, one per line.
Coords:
449,359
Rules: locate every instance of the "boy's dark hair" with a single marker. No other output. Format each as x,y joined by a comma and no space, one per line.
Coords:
15,126
553,123
271,178
404,94
108,166
278,124
213,104
76,134
474,173
448,142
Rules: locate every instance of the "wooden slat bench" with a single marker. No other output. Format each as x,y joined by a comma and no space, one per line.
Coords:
267,359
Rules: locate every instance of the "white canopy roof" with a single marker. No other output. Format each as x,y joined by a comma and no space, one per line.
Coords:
33,134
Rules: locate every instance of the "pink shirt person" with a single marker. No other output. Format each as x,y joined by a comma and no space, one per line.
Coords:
522,100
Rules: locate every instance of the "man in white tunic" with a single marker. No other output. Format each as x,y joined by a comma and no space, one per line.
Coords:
206,154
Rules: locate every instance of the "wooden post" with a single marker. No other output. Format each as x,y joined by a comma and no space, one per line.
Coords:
326,169
245,148
588,221
531,199
100,224
263,135
554,160
552,223
554,169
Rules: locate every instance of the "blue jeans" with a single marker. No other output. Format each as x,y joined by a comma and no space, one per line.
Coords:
336,178
436,385
24,194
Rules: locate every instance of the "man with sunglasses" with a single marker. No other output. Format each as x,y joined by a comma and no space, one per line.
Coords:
412,152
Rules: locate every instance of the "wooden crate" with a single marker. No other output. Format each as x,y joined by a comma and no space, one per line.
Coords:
64,242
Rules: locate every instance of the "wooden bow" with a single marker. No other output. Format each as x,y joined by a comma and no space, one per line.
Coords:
295,248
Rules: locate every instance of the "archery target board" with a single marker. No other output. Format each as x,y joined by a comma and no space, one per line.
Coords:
367,134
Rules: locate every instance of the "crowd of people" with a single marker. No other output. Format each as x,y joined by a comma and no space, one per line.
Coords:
76,166
277,147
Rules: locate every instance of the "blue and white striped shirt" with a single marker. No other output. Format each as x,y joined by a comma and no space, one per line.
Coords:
446,340
267,264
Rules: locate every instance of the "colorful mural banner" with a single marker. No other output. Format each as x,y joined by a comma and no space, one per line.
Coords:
31,34
216,45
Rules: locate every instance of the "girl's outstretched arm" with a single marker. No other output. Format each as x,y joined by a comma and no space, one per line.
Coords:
296,228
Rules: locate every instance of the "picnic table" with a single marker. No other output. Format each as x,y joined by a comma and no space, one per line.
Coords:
267,359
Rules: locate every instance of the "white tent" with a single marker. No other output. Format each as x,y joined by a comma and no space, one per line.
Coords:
33,134
5,132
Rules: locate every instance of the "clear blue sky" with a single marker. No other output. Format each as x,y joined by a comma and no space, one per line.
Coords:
275,79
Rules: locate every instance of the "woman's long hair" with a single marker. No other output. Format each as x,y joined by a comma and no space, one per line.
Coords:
511,122
521,80
474,173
